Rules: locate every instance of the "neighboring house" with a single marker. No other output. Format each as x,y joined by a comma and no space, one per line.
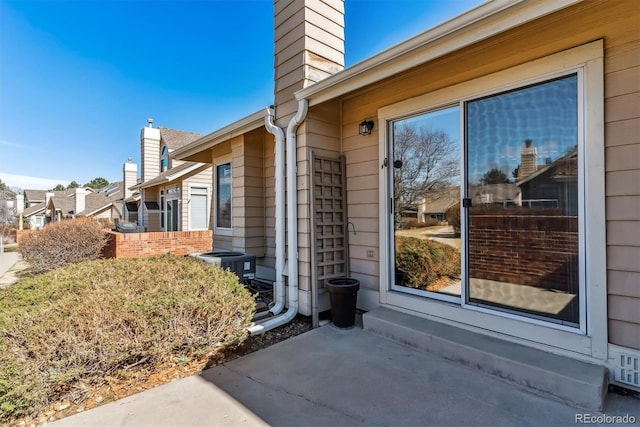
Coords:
505,194
436,205
174,195
544,71
553,185
35,214
104,204
42,207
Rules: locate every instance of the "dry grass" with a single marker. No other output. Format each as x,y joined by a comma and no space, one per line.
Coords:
62,333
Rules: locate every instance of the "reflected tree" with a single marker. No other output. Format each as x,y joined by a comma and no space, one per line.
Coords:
494,176
428,165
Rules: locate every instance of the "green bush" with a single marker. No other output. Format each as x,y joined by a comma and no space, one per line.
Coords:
69,328
62,243
421,262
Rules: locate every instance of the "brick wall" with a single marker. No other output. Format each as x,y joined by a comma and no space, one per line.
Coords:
134,245
539,251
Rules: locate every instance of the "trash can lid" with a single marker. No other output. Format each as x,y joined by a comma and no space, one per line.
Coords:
342,285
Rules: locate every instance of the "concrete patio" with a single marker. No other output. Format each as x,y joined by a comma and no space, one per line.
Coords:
343,377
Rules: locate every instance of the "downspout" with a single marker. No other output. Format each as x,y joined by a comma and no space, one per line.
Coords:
278,289
292,222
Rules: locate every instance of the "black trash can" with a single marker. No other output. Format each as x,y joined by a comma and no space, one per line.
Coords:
343,293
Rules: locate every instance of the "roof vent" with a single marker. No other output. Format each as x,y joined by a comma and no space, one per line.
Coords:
150,121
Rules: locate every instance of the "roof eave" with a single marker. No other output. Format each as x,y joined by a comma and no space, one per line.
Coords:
168,178
246,124
479,23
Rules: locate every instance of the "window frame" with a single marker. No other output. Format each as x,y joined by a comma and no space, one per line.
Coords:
164,159
222,161
208,204
591,338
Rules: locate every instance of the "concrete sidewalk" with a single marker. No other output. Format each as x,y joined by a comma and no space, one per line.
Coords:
336,377
7,262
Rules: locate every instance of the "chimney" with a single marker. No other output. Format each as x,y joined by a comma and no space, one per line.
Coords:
150,151
47,197
129,177
309,46
528,160
79,198
19,204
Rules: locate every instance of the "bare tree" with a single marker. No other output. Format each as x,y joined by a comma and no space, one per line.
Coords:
429,165
7,205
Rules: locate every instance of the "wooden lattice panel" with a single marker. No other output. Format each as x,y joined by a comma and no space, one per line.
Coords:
329,221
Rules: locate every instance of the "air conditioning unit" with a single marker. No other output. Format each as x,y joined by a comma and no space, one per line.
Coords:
243,265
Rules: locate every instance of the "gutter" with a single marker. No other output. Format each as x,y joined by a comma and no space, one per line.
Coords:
480,23
239,127
279,287
292,222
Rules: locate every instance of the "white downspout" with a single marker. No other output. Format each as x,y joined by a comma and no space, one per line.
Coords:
278,289
292,222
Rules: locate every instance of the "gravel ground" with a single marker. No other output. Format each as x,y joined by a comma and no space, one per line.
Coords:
299,324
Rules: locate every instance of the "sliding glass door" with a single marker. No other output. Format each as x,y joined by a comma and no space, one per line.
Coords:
502,234
522,201
425,181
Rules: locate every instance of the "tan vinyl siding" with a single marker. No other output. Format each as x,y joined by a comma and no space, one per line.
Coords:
248,193
251,157
269,201
622,165
321,133
150,161
618,24
309,46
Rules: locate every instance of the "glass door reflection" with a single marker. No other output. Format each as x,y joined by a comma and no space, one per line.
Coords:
425,183
522,185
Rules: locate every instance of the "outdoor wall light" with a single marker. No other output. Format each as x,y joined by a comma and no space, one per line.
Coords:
365,127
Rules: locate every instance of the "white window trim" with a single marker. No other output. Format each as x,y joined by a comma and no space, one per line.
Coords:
222,160
169,198
208,188
164,149
591,343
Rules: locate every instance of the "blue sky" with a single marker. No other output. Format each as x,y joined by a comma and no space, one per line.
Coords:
78,79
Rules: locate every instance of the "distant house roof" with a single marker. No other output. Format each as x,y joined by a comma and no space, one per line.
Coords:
197,149
34,210
171,174
64,204
35,195
563,167
175,139
96,202
440,203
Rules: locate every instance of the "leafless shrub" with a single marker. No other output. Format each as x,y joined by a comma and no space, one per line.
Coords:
8,232
63,243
